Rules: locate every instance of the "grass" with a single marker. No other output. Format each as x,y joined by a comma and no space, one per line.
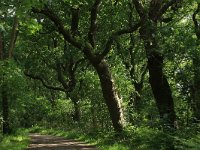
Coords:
142,138
16,141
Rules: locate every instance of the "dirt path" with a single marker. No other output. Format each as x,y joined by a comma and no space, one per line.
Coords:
47,142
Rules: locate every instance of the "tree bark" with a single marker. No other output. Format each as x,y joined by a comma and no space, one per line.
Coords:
13,37
158,81
161,89
4,94
196,62
5,111
135,98
159,84
196,89
110,95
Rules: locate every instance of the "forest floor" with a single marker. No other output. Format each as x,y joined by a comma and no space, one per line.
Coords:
49,142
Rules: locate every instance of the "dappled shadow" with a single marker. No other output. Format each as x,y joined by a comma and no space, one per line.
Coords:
46,142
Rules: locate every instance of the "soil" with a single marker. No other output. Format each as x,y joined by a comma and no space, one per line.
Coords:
48,142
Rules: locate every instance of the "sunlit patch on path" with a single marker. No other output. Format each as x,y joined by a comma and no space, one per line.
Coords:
47,142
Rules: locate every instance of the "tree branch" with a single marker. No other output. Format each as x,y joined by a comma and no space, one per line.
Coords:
154,10
35,77
167,5
125,61
58,23
145,68
115,35
93,22
75,20
71,69
77,63
139,8
13,37
61,77
84,46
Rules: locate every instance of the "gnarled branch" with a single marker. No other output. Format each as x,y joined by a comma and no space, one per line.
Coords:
36,77
58,23
115,35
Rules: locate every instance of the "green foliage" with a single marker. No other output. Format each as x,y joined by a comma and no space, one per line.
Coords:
17,141
40,47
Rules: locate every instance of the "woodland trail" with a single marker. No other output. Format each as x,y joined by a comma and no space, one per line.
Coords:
48,142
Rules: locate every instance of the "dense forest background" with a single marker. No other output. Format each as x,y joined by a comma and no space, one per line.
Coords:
126,69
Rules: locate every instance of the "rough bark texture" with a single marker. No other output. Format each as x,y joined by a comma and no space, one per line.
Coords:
110,95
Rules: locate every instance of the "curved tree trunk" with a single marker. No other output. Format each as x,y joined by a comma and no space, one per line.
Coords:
110,95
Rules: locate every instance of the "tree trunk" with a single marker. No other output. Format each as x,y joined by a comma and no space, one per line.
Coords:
13,36
196,89
76,113
135,103
196,61
5,109
159,84
94,117
4,94
136,97
161,89
110,95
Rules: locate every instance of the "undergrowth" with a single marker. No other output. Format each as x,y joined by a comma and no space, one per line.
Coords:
16,141
142,138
